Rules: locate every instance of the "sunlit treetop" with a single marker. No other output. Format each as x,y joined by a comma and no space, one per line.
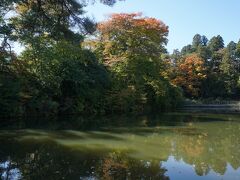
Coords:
124,35
124,20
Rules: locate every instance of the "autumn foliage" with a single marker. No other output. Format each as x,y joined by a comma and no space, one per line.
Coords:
125,21
125,35
131,47
190,71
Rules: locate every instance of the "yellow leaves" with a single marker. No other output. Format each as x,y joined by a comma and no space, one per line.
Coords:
198,69
164,74
22,8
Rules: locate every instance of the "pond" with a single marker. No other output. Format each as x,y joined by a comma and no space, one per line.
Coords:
169,146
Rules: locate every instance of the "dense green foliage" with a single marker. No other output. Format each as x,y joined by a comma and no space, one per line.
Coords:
35,82
122,67
56,74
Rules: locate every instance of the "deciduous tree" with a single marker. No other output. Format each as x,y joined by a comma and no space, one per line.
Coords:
131,47
190,72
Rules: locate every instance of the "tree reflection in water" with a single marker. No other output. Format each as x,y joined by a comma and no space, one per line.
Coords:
50,161
145,149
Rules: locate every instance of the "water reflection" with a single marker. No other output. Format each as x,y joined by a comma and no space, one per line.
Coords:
8,171
192,147
178,169
50,161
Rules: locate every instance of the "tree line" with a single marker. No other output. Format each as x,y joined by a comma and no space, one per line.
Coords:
208,68
70,64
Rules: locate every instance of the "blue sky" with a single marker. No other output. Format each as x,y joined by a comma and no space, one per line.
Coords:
185,18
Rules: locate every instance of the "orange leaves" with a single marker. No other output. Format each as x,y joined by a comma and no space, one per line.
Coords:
190,71
124,36
124,21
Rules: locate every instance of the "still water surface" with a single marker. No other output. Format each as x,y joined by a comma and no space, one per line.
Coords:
170,146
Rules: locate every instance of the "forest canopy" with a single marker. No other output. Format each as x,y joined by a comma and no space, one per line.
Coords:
123,67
